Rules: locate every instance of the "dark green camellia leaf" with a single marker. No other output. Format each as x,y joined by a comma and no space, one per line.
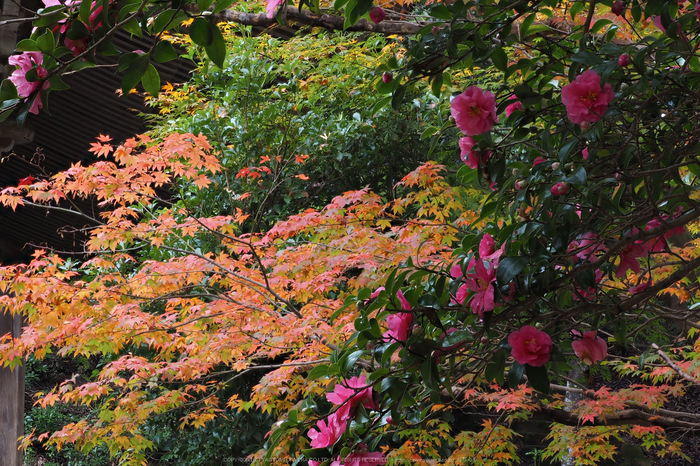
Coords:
84,11
133,27
57,83
135,72
204,5
496,368
317,372
221,6
78,30
500,59
508,268
151,80
46,42
164,52
164,21
397,97
216,50
515,374
48,19
26,45
538,378
8,90
200,32
578,177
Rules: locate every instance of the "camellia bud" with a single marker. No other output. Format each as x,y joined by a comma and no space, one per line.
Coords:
561,189
624,60
484,340
377,15
520,184
618,8
619,176
516,171
417,330
387,77
555,165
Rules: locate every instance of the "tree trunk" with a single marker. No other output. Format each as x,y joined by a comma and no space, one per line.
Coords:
11,399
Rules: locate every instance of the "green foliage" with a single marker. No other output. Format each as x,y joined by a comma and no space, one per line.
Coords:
52,419
232,435
294,125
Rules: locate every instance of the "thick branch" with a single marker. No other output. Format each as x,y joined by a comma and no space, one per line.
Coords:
325,21
624,417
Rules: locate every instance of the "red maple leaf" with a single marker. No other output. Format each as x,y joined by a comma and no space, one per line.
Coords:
26,181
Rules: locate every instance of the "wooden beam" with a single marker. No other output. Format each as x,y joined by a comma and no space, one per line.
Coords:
11,399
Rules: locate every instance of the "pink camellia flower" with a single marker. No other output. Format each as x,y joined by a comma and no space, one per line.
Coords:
354,391
25,88
659,244
530,346
376,292
584,152
481,282
470,157
487,248
96,13
456,271
77,46
405,305
561,189
587,246
628,259
629,255
584,99
624,60
377,15
538,160
271,7
590,348
474,111
461,296
399,324
515,106
328,432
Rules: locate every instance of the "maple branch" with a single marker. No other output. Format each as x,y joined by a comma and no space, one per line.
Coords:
244,280
674,366
263,367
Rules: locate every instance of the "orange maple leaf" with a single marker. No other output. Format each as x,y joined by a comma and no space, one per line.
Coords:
100,149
